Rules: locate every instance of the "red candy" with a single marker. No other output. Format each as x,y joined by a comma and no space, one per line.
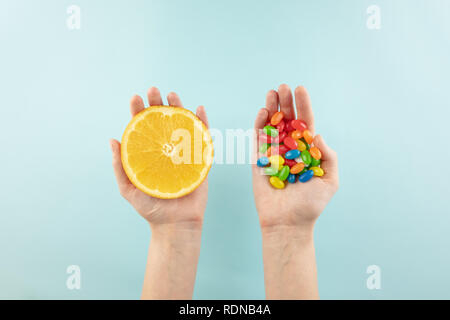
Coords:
290,143
280,137
264,138
290,163
288,126
280,149
298,124
283,149
280,127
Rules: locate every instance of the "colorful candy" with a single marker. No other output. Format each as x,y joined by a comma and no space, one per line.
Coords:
263,162
301,145
270,171
276,182
270,131
292,178
296,135
287,152
276,161
263,147
315,162
284,173
290,143
288,127
290,162
280,126
306,157
315,153
318,172
292,154
298,167
307,135
276,118
305,177
277,149
299,125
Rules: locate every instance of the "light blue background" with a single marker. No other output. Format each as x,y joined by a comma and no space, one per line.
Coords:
381,99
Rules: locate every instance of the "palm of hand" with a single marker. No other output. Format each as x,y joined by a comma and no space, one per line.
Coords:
299,203
187,209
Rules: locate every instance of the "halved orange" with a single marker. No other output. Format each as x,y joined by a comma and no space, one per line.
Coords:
166,151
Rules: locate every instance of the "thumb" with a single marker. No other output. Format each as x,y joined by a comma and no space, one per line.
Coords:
329,161
201,114
122,180
260,121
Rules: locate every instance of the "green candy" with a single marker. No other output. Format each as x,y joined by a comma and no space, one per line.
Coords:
303,171
270,131
306,144
263,148
315,162
284,173
306,157
270,171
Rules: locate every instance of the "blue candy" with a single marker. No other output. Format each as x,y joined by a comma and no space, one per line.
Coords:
262,162
292,178
292,154
306,176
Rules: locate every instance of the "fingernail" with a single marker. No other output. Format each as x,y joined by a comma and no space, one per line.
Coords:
111,145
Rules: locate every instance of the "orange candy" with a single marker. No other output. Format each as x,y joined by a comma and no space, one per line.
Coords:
315,153
307,135
297,167
276,118
296,134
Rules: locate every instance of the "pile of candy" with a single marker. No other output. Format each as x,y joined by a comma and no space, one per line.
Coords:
287,150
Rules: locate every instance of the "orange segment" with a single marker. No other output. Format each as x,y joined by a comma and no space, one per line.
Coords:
166,151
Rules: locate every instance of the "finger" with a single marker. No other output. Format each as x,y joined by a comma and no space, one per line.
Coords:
260,122
329,161
122,180
174,100
272,102
154,97
261,118
304,108
136,105
201,114
286,101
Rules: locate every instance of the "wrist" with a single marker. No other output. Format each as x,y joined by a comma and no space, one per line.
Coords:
279,234
177,234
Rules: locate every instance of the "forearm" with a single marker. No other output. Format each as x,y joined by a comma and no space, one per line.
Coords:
289,263
172,262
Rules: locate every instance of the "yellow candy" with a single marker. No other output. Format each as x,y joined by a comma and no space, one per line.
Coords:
318,172
301,145
276,182
276,161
